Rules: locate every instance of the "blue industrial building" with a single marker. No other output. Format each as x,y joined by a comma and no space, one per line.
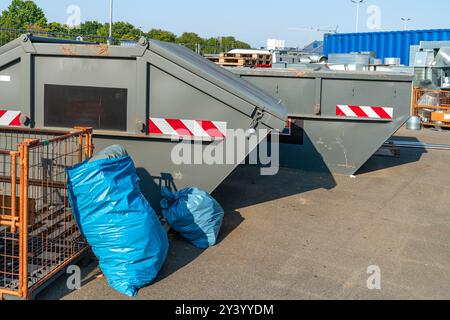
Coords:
389,44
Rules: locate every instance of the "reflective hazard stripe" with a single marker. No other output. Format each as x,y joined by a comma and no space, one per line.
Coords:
368,112
10,118
189,128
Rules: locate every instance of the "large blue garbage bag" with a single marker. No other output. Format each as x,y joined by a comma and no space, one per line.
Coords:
112,152
194,214
123,230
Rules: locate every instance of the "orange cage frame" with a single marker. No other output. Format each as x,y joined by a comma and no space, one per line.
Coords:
38,233
435,112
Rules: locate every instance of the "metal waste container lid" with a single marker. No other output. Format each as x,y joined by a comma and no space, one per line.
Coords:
220,77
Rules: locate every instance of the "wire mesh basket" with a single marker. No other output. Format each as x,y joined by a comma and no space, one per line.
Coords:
38,233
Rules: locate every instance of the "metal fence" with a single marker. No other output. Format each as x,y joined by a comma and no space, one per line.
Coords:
7,35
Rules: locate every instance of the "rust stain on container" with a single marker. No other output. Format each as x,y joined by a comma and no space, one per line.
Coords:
74,50
103,49
67,51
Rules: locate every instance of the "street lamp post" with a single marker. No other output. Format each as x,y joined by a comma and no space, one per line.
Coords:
358,4
405,23
110,38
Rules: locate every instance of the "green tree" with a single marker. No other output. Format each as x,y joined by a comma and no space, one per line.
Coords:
229,43
223,44
242,45
211,46
56,27
190,40
121,31
90,27
161,35
21,14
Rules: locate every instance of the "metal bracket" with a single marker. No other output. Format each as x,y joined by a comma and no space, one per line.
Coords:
25,120
141,127
27,45
257,117
317,109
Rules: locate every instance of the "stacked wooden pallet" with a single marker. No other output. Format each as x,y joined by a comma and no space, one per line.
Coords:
213,58
243,60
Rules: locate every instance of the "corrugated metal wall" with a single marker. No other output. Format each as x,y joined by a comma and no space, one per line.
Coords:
392,44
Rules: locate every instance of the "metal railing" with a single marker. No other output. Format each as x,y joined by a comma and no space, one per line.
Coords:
38,232
7,35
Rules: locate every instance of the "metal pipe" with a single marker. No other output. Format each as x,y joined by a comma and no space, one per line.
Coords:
358,4
357,18
37,39
9,293
5,223
24,222
21,218
80,146
37,182
442,59
60,135
405,23
417,145
110,39
336,118
13,190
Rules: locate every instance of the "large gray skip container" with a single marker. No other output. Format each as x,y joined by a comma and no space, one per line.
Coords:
338,120
135,96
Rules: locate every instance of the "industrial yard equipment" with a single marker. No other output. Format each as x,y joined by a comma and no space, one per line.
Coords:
432,67
385,43
38,233
338,120
414,123
138,96
432,107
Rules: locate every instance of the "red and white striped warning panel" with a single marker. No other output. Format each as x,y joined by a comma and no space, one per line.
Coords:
9,118
365,112
287,131
187,128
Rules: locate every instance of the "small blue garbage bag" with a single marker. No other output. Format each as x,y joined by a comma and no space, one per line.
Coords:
117,221
194,214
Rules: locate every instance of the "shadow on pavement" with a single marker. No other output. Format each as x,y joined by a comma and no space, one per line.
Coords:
182,253
246,187
59,289
407,155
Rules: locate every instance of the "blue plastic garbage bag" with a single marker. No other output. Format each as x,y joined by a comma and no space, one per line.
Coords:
117,221
112,152
194,214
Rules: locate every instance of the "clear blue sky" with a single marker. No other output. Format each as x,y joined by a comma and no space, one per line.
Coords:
254,21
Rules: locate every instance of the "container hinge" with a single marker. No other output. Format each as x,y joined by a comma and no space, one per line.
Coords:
317,109
141,127
257,118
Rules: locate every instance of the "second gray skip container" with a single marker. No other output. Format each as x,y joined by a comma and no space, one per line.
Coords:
338,119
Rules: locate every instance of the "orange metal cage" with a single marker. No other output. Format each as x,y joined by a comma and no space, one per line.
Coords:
428,104
38,233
